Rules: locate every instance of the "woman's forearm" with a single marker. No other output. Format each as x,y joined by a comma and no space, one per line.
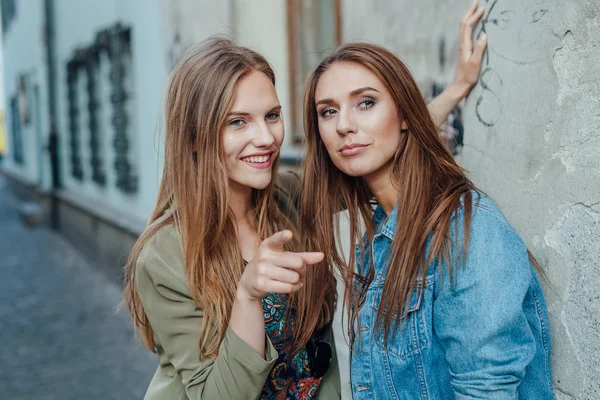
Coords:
441,107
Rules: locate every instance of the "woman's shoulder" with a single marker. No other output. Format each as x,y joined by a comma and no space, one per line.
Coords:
487,225
484,211
163,252
288,181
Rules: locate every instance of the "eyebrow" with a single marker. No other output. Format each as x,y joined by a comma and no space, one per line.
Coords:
243,113
353,93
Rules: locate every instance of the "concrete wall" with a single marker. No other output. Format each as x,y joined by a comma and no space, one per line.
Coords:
532,130
419,35
535,135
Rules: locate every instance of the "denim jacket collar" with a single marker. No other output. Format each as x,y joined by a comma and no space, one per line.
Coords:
383,224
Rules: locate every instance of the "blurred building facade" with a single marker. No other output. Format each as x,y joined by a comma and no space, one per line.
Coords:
85,82
83,88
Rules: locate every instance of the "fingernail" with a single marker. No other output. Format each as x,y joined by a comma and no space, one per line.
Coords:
484,36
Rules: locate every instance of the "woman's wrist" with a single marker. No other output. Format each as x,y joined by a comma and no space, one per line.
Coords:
242,296
457,91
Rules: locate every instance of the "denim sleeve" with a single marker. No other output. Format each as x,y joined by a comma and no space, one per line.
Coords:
478,315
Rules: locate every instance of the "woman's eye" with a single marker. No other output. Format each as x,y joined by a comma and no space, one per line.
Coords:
272,116
327,112
366,104
236,122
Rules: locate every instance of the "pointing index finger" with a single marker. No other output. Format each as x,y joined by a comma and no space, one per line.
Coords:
311,258
277,240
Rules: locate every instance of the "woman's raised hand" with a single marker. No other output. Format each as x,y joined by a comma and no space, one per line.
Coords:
470,56
273,270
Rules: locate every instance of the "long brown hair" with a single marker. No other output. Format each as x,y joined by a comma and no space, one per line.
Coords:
193,193
430,184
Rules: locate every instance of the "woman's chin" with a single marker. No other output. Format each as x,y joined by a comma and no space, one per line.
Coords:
362,167
259,184
249,184
357,171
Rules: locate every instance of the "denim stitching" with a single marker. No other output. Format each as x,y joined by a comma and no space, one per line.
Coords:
545,336
388,374
421,375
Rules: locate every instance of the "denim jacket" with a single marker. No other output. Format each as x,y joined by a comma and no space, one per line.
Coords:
485,336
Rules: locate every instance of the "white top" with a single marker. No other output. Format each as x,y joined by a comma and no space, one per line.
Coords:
342,348
340,320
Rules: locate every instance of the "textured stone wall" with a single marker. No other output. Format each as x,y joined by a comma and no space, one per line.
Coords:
532,134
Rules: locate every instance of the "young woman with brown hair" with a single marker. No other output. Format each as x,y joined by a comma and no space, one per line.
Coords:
215,320
441,296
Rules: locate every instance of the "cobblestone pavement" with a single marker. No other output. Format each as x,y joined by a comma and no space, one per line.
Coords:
60,335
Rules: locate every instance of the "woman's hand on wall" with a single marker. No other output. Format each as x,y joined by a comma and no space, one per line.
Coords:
470,56
468,67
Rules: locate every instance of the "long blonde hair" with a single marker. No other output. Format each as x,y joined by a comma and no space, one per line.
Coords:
193,193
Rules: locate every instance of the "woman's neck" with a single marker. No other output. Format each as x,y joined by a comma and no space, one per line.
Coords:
240,202
380,183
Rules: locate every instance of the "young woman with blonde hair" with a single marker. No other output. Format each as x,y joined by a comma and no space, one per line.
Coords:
214,275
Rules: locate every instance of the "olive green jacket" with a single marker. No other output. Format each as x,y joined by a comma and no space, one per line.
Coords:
238,372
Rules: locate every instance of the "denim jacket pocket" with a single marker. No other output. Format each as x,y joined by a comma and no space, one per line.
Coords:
410,335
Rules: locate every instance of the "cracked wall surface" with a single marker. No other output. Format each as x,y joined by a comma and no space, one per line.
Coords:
532,135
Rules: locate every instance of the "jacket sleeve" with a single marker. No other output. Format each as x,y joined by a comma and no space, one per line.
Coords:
478,315
238,372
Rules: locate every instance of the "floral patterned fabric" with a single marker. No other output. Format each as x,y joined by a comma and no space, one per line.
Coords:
290,378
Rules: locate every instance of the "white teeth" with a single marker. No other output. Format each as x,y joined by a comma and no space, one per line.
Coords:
258,159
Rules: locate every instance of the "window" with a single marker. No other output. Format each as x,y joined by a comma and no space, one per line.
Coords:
314,30
9,12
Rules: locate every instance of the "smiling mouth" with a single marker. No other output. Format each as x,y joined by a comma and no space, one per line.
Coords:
262,161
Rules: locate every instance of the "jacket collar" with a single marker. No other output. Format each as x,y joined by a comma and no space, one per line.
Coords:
384,224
